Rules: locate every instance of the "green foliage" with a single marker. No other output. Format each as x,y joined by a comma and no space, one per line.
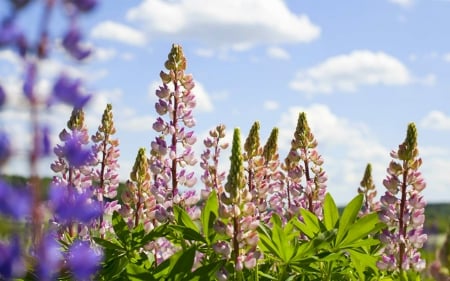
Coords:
337,248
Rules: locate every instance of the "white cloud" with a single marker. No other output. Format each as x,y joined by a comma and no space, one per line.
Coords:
202,97
204,52
446,57
271,105
104,54
403,3
233,24
278,53
436,120
348,72
118,32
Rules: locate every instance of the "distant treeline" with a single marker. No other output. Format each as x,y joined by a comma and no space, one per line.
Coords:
437,215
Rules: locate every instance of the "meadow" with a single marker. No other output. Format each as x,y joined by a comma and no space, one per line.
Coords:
266,217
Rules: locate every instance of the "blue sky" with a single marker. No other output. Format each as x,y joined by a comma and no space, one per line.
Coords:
361,70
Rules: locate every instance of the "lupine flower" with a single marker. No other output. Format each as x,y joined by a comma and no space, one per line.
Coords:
70,206
84,5
75,154
178,104
11,262
5,148
30,81
49,257
71,42
367,187
8,32
14,202
2,96
402,209
212,178
82,260
68,91
303,160
107,153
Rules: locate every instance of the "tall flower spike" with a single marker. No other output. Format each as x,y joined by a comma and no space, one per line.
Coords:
367,187
402,209
172,150
106,175
271,195
235,180
303,159
212,178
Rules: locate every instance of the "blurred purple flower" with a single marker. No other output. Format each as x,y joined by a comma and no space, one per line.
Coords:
83,261
14,202
69,205
8,32
71,42
11,262
46,142
75,154
84,5
49,257
5,148
68,91
30,80
2,96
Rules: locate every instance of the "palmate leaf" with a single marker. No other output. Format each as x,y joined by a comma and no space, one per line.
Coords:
310,225
177,266
364,226
348,217
121,229
330,212
209,214
182,218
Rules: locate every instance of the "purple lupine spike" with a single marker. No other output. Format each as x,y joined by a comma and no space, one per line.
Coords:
402,209
71,42
70,206
83,260
5,148
14,202
49,257
68,91
12,264
84,5
30,81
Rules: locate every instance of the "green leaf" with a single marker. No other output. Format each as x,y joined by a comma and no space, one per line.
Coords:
188,233
109,244
121,229
206,272
280,239
361,228
348,217
159,231
114,267
179,263
138,273
265,240
183,218
209,214
330,212
310,225
361,261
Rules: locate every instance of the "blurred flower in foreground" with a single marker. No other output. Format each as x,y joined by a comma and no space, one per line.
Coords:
70,206
14,202
11,261
68,91
49,257
83,261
